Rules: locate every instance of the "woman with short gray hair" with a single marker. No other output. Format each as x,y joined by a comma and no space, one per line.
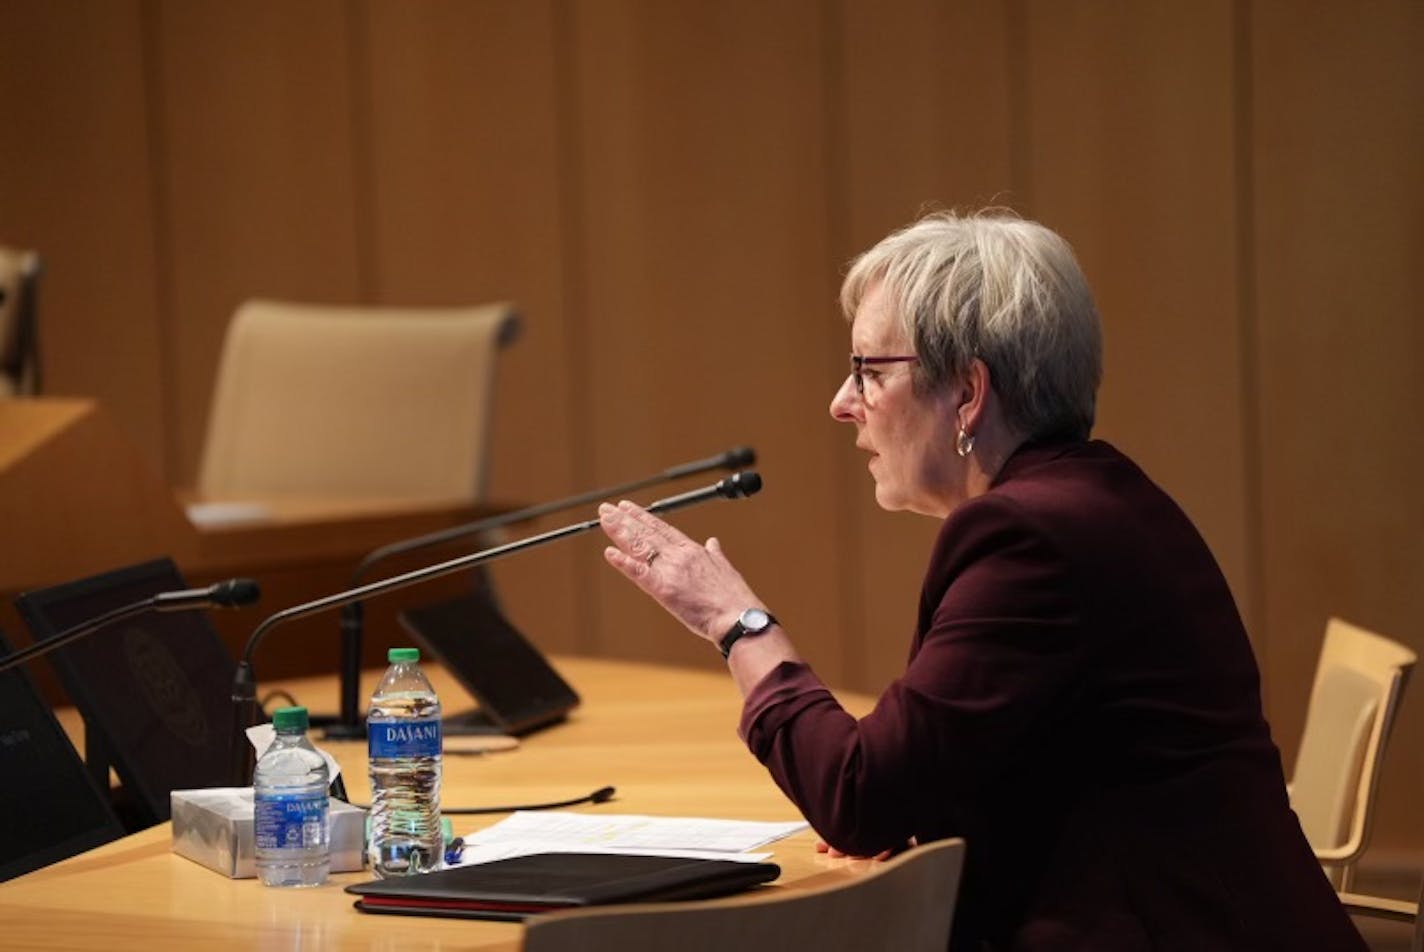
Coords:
1003,290
1081,702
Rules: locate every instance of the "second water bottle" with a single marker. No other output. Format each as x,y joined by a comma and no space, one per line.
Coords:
403,730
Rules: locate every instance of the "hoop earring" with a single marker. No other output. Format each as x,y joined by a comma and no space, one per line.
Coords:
964,443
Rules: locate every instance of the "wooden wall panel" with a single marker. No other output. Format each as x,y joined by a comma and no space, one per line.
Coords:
466,206
922,119
702,172
75,185
256,168
1132,157
1339,149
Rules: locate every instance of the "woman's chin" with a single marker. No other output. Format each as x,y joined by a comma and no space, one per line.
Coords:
886,498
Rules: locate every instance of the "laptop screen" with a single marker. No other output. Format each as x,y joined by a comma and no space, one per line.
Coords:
57,809
155,687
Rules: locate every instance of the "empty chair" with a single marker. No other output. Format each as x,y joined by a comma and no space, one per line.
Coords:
906,904
1359,681
372,402
19,331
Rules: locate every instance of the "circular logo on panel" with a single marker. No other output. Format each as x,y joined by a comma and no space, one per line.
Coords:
166,687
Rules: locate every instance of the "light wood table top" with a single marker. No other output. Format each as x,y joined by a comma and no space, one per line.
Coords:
665,737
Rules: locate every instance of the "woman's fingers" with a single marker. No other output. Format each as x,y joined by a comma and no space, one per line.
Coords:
694,582
638,534
625,563
661,561
823,847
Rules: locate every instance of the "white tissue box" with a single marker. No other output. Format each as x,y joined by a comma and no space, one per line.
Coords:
213,826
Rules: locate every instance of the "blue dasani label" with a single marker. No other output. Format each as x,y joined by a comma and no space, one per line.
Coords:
290,821
399,739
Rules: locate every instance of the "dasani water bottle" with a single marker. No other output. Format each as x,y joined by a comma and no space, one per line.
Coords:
290,807
403,729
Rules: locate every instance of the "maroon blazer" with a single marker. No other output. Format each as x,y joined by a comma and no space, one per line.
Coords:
1081,704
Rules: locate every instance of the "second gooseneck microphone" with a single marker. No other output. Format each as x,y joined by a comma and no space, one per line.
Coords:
738,457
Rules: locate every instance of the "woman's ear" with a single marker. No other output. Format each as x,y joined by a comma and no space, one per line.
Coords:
972,395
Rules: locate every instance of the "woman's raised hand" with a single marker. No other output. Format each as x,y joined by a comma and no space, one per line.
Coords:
695,583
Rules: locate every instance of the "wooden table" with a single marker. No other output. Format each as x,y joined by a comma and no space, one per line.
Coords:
665,737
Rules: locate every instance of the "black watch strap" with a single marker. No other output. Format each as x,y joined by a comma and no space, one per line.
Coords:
753,621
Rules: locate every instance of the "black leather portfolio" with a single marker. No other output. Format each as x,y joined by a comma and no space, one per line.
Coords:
511,889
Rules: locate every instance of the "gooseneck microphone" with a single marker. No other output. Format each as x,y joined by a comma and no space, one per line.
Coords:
349,723
233,593
735,486
244,685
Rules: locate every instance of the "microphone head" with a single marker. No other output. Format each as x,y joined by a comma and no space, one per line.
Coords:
738,456
234,593
739,485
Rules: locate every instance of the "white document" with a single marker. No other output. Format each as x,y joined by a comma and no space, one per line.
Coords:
545,832
471,855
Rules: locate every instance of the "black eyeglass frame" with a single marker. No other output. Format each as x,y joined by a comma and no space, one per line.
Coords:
858,365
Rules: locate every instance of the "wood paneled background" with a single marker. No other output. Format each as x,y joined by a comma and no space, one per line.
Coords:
671,189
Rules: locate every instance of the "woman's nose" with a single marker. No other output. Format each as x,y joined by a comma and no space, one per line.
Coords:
845,405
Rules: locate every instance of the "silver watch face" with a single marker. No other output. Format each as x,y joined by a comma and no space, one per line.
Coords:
754,621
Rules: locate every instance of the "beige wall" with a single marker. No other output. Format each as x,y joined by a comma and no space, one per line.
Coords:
670,190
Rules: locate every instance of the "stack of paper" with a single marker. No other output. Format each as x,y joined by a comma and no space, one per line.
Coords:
529,832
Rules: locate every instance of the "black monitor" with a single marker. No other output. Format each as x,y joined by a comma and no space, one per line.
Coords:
55,809
517,689
154,689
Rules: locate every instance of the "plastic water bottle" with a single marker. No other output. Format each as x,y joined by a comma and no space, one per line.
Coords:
290,807
403,730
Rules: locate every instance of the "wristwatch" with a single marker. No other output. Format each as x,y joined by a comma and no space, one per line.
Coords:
753,621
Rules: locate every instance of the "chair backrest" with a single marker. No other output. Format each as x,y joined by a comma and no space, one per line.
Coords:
1359,681
19,333
906,904
354,401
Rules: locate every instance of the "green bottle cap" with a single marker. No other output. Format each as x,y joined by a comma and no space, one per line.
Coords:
290,719
403,655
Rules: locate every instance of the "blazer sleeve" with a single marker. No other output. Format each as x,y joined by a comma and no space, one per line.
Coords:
996,663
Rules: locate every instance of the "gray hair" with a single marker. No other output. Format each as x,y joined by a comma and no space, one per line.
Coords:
1001,289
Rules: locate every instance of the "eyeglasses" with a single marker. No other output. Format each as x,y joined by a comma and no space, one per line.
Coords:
858,365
